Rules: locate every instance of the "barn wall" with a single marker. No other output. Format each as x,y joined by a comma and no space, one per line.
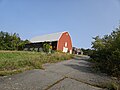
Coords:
65,38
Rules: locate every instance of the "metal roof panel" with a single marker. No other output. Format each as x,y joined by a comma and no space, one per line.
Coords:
47,38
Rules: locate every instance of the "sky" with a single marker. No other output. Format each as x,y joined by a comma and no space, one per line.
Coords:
83,19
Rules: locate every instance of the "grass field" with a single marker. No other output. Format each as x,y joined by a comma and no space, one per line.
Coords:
12,62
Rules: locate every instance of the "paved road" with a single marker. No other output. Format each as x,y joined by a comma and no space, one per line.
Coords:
72,74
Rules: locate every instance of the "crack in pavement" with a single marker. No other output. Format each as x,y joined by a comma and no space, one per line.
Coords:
82,81
64,77
85,82
55,83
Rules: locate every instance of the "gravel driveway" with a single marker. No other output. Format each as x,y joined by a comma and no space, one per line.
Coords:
72,74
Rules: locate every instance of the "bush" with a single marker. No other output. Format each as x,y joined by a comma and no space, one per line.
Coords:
11,41
113,86
106,53
46,47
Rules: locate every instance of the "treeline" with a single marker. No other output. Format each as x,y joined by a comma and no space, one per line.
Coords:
10,41
106,53
87,51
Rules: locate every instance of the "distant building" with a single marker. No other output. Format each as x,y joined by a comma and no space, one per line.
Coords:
58,41
77,51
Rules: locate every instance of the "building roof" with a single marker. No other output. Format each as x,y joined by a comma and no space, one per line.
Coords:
47,38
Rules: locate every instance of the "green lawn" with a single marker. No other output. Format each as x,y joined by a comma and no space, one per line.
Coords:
12,62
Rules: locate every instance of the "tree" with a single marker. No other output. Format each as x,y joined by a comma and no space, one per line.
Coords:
22,44
11,41
107,52
46,47
87,51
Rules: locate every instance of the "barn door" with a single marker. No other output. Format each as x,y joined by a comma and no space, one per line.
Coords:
65,49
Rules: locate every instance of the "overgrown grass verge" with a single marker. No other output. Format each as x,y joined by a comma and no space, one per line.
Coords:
113,85
110,86
12,62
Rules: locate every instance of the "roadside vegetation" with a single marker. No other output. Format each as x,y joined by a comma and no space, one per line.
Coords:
12,62
105,55
9,41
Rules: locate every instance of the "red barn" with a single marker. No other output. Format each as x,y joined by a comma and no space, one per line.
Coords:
59,41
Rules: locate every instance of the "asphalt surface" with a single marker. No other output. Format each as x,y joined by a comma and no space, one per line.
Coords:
72,74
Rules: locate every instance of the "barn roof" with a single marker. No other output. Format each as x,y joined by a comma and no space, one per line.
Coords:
47,38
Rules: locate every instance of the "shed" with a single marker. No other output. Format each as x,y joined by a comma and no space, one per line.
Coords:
59,41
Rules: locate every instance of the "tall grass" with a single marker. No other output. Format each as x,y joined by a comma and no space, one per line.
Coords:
18,61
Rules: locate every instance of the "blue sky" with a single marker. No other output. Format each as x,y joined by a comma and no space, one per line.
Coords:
83,19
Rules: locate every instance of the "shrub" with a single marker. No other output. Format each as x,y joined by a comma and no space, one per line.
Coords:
46,47
106,53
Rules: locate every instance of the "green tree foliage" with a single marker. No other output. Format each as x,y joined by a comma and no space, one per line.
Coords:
107,53
11,41
87,51
46,47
